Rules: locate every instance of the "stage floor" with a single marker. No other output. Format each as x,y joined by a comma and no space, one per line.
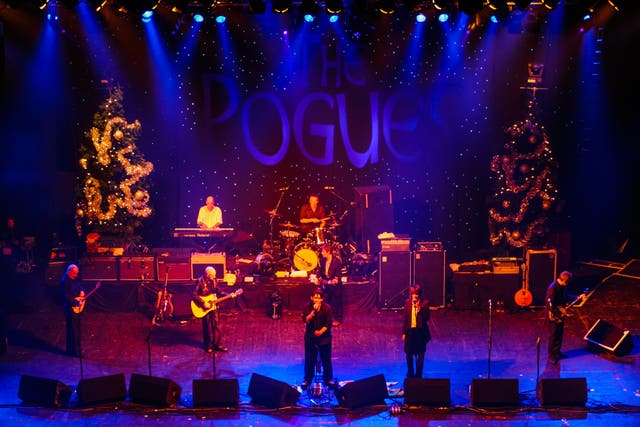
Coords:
467,344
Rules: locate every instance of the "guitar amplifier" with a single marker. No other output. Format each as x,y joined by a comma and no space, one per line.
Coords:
137,267
104,268
201,261
173,268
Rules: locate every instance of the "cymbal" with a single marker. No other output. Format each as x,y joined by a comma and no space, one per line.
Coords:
334,224
289,225
272,213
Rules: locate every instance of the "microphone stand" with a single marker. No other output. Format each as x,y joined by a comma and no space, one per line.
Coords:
490,344
272,215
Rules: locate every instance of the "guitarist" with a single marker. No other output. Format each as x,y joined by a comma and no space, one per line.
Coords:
72,296
557,299
206,286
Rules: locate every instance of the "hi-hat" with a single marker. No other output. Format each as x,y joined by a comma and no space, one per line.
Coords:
289,225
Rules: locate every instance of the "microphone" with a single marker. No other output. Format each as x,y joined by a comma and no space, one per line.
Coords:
283,188
329,188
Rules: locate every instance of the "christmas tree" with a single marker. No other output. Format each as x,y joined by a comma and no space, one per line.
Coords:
113,179
523,179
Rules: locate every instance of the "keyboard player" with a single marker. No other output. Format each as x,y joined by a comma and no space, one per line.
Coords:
209,215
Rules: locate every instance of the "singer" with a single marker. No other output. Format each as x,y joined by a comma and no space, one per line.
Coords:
415,331
312,214
317,316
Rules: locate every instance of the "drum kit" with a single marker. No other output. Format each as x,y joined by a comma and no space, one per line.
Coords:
304,248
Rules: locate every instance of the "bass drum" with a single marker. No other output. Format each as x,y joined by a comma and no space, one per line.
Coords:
305,257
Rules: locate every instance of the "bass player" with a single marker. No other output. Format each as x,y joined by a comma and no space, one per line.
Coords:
557,300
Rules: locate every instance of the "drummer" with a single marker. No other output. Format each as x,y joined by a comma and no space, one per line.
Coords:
312,215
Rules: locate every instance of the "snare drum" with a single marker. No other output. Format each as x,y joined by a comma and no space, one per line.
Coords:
305,257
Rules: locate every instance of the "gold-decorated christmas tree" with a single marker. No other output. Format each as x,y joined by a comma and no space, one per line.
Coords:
523,178
113,179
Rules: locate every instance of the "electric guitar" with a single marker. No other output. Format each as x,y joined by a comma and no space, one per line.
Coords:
564,311
82,299
211,302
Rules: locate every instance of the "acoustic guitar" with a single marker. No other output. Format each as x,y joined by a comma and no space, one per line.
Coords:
211,302
82,299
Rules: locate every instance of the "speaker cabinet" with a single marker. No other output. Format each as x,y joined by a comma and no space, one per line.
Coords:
99,267
494,392
427,391
43,391
173,264
562,391
373,215
429,272
394,279
137,267
224,392
111,388
364,392
271,393
541,267
153,390
609,337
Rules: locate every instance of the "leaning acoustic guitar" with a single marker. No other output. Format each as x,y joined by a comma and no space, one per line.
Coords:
82,299
211,302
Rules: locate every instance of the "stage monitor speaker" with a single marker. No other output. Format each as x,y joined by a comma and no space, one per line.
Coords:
429,272
364,392
562,391
541,270
43,391
153,390
271,393
373,215
110,388
221,393
427,391
495,392
609,337
394,275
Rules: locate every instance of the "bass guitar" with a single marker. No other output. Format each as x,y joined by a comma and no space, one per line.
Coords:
211,303
563,312
82,299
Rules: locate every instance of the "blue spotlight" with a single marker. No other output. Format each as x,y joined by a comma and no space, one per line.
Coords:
333,18
443,17
198,18
494,19
420,17
309,17
147,14
220,19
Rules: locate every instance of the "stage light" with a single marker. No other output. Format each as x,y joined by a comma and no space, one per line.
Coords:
280,6
198,18
617,4
334,7
147,14
421,17
443,17
309,18
550,4
493,19
220,19
333,18
387,7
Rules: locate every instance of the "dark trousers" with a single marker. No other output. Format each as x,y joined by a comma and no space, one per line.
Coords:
311,351
334,299
73,328
419,364
210,331
556,330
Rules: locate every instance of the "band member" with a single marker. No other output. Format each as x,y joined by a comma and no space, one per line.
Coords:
209,215
332,286
206,287
317,338
415,331
312,214
72,296
557,299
